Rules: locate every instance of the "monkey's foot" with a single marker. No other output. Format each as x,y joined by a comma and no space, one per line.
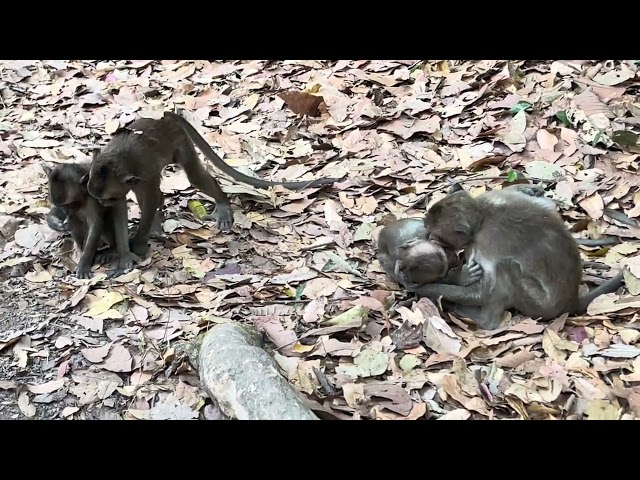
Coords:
470,273
222,215
531,190
83,271
106,255
125,265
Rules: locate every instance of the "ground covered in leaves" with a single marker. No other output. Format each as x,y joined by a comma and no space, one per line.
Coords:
301,266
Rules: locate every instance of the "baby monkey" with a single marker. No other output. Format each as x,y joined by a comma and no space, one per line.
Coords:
88,222
411,260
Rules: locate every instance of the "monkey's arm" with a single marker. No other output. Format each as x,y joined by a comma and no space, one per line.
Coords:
120,220
464,295
95,218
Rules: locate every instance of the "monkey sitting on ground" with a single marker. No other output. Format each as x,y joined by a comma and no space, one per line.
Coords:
88,222
135,157
410,259
529,260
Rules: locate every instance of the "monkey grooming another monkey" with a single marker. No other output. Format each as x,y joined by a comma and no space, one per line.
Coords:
88,222
135,157
529,260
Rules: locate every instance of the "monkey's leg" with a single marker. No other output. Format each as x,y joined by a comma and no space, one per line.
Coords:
201,179
148,195
156,227
92,240
106,255
120,224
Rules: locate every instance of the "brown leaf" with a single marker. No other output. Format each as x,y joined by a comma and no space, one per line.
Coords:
302,103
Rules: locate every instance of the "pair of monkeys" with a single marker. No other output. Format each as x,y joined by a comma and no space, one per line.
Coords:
520,256
89,199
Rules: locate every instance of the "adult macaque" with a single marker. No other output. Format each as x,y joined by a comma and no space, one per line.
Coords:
88,222
410,259
135,157
529,260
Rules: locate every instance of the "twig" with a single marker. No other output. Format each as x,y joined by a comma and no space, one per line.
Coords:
479,178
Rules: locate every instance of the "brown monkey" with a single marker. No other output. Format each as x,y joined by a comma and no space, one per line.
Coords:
529,260
135,157
88,222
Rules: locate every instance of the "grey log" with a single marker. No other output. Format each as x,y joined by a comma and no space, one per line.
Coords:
244,379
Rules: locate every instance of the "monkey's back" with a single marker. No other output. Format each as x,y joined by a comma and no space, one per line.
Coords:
536,250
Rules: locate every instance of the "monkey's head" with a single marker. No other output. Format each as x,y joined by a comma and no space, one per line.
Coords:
451,221
421,261
66,184
108,181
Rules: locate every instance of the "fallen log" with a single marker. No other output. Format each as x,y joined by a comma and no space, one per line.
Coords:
244,379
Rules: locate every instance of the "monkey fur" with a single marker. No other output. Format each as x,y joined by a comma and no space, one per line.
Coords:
89,222
529,260
135,157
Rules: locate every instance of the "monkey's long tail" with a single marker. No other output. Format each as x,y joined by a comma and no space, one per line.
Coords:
235,174
609,286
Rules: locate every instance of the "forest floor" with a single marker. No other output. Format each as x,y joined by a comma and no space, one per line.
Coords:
301,266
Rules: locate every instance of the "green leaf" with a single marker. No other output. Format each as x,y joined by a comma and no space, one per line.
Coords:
518,107
512,176
624,137
562,117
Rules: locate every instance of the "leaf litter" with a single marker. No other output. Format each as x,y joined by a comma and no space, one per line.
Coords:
301,266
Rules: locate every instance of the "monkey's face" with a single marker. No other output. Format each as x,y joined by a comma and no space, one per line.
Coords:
106,185
421,261
64,187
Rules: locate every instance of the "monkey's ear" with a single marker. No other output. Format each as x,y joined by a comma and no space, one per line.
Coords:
131,179
47,169
95,153
85,179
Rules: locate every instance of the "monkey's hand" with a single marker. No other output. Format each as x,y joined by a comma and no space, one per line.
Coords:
124,265
470,273
222,215
83,270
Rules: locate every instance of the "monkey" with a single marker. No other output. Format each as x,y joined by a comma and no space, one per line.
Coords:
529,260
86,219
409,258
136,155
